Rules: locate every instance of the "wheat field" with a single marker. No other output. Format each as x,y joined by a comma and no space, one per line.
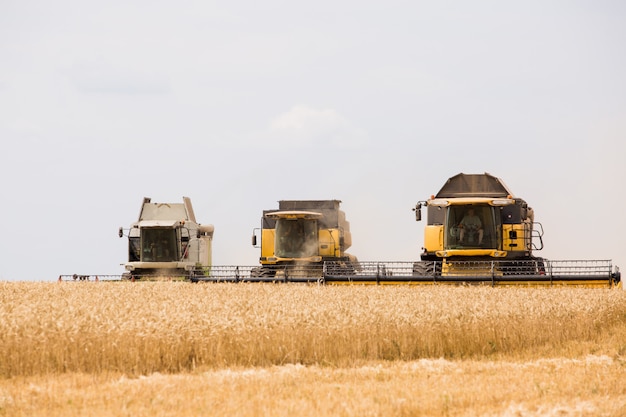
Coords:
175,348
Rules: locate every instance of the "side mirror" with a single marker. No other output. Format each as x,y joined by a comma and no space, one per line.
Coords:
121,232
253,240
418,212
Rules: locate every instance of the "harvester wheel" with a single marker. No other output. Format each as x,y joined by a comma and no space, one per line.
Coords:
424,269
262,272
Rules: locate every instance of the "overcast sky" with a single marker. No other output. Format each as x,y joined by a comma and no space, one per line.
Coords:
239,104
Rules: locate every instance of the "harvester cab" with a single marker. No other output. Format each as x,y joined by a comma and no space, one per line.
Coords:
478,216
166,241
301,237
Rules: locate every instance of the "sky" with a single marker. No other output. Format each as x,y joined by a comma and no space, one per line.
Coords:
239,104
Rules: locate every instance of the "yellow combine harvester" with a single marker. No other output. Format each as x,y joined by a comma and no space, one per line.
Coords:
477,231
302,238
301,241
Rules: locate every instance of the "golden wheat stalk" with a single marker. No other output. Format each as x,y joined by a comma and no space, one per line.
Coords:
175,326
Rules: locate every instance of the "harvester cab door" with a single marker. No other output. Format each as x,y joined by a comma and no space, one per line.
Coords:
296,238
471,226
159,245
296,234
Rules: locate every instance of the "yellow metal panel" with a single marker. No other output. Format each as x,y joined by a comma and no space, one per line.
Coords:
267,243
433,238
520,283
557,283
471,252
329,242
374,282
516,244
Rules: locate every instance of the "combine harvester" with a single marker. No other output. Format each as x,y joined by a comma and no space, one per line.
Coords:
478,232
301,241
167,242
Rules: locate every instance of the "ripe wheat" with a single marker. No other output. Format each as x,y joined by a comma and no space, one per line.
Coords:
169,327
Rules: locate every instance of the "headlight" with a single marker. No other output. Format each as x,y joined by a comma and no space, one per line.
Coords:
502,202
438,202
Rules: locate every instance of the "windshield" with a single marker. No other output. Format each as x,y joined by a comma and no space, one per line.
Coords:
296,238
471,226
158,245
